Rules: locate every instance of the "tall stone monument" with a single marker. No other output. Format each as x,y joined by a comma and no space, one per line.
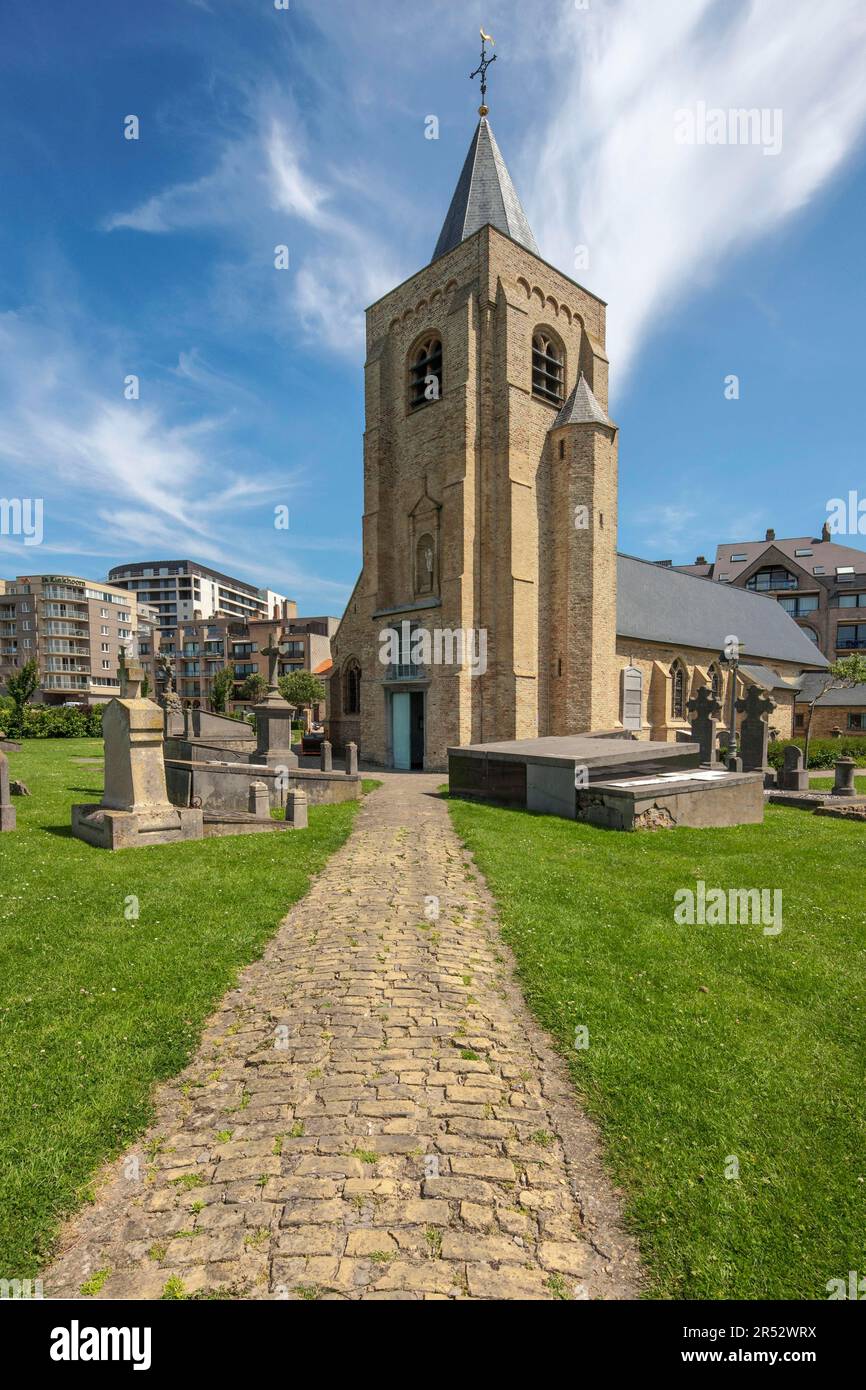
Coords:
273,716
135,809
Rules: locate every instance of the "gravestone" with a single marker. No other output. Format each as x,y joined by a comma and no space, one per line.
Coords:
632,698
756,708
135,809
351,759
705,710
793,777
843,784
326,762
7,810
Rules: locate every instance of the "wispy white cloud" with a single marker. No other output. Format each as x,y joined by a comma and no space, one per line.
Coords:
662,219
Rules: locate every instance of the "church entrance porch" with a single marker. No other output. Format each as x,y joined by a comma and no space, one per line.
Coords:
407,729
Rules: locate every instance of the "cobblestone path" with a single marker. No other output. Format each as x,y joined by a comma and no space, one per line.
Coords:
372,1113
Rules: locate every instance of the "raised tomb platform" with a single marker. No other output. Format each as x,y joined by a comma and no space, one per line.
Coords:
612,782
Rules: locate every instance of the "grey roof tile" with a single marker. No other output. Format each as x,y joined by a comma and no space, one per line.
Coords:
581,408
657,604
484,193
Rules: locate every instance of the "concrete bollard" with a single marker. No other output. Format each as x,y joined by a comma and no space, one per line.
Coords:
7,810
259,801
844,783
296,809
326,763
351,759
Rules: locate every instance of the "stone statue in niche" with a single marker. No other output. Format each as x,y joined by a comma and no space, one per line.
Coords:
424,565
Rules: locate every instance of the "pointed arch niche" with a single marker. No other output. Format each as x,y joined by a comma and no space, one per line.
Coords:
424,547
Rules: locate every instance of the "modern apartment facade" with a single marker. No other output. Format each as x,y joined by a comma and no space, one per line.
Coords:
74,628
179,589
202,647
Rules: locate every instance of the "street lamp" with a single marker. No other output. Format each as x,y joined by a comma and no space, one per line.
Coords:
730,657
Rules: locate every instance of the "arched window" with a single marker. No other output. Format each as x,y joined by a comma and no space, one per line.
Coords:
678,691
352,688
716,683
810,633
425,565
548,368
425,372
771,577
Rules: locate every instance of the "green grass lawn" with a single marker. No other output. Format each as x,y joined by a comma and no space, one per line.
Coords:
767,1066
95,1008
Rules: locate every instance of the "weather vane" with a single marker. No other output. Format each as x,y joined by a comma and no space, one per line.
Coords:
482,68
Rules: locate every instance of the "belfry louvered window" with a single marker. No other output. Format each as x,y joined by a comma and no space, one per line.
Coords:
547,369
425,373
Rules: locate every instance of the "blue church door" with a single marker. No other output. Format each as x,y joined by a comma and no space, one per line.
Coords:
401,729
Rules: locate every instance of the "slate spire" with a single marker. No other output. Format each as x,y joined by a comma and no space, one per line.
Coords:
484,193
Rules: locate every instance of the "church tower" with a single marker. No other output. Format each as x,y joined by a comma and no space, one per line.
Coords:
486,432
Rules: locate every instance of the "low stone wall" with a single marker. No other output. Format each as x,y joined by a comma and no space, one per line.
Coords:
225,785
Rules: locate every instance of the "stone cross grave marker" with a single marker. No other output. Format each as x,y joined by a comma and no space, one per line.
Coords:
705,710
756,708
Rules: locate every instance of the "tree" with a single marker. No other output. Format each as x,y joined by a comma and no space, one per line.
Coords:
221,688
840,675
302,689
20,686
254,688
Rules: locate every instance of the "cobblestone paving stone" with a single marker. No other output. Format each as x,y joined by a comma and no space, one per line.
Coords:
372,1113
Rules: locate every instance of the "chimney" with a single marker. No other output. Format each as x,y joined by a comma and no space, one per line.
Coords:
771,535
700,559
825,531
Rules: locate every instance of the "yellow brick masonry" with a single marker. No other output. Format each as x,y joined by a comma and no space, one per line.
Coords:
372,1114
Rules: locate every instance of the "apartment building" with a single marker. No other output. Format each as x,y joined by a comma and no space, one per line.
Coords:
179,589
74,628
202,647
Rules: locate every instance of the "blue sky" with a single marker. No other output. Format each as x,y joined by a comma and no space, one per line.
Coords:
306,127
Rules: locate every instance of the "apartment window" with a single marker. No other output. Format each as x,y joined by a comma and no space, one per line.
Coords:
548,371
844,569
103,612
26,625
856,721
104,647
799,554
771,577
818,569
124,632
27,642
103,632
851,636
25,607
852,600
724,579
425,372
802,604
106,665
737,558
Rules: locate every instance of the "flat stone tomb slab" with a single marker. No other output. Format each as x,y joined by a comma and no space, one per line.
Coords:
667,777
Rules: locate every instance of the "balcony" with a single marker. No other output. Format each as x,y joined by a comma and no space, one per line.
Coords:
405,671
66,682
65,649
62,610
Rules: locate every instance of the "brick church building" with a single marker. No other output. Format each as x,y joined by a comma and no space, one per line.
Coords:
490,513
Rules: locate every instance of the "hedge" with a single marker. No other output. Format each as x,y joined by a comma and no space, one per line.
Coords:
823,752
54,721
